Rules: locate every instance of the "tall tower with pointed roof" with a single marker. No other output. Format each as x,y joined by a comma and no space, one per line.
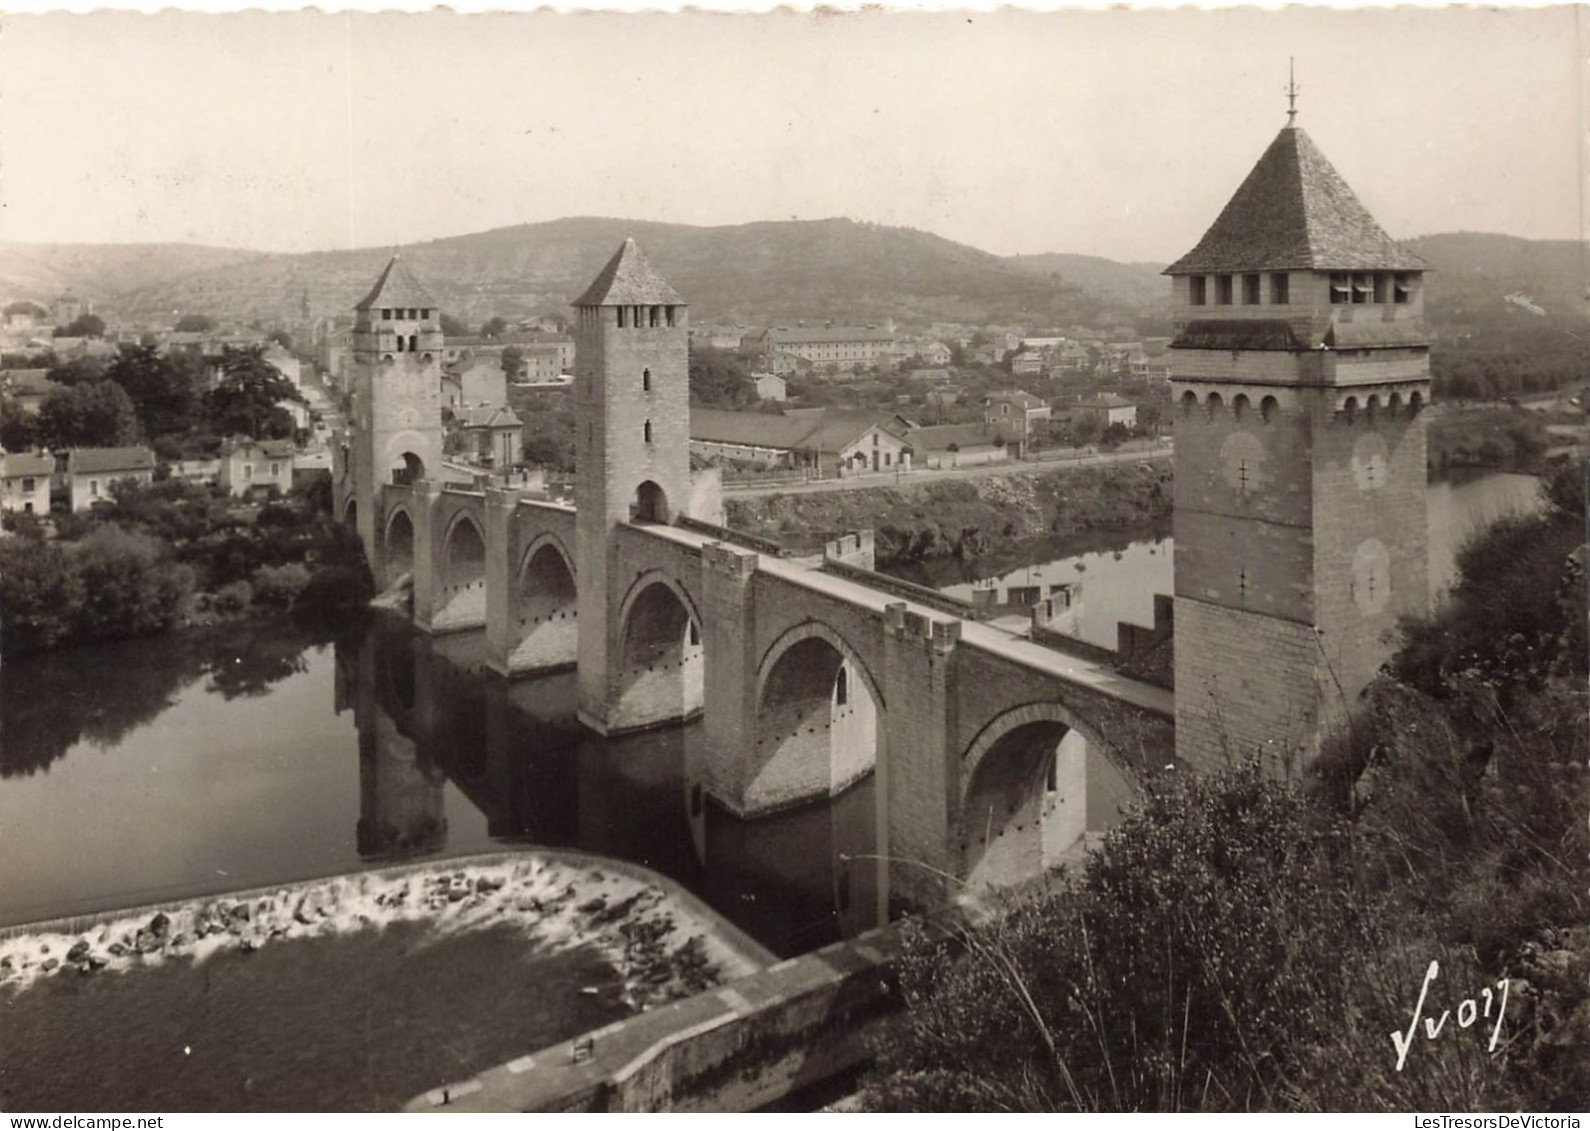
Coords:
395,432
632,446
1300,366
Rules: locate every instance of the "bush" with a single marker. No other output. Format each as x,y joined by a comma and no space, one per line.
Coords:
280,585
40,593
129,589
233,597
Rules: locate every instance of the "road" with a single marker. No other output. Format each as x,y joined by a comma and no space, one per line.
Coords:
922,478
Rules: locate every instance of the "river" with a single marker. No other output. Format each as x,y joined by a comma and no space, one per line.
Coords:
211,761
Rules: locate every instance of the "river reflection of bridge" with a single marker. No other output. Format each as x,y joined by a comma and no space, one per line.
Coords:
428,712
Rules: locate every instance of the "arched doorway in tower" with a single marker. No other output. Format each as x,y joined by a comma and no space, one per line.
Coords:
651,504
350,513
460,600
660,670
1037,792
546,612
406,469
397,553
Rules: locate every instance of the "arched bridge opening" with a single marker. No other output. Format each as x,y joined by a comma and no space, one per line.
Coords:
660,671
397,552
461,581
1037,787
546,610
818,722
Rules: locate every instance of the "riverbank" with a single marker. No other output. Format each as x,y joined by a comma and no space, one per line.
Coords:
488,956
990,515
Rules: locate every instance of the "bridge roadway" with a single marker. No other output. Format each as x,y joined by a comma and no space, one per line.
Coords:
995,641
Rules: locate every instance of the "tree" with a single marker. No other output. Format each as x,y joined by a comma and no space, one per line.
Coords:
248,398
164,391
513,363
85,326
453,327
100,415
19,429
128,587
718,378
40,593
493,327
1086,427
82,371
281,338
195,324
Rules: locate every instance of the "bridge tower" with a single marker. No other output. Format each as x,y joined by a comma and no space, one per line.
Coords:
395,433
632,443
1300,366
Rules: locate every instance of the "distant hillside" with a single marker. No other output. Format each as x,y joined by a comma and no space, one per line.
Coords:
835,270
101,272
1471,273
1132,285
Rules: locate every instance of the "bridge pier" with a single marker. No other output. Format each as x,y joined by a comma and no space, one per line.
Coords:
502,618
729,609
428,548
918,778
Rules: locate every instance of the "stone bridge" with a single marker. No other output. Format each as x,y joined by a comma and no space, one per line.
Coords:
990,754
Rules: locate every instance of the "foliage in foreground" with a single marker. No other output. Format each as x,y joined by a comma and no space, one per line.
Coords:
1243,943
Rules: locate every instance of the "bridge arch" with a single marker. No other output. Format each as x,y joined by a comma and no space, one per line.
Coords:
819,720
659,676
546,606
460,593
1034,781
397,546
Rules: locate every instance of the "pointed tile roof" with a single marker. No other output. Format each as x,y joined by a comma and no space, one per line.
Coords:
1294,212
397,286
629,278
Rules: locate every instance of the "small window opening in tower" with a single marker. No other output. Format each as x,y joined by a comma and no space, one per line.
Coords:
842,687
413,314
669,312
1341,288
400,343
1197,290
695,633
648,431
1380,286
655,318
1222,290
425,313
386,314
645,380
1053,784
1280,288
1250,290
1242,476
622,312
1363,287
1242,582
414,342
1401,287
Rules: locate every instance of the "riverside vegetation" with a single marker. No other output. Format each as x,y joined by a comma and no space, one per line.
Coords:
1246,940
172,553
969,517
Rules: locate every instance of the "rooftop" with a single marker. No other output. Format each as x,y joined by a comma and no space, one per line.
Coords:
629,278
87,461
1294,212
397,286
14,464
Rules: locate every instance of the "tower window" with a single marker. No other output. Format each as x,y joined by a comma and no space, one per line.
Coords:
1222,290
400,343
1401,287
645,380
1197,290
655,318
1363,287
1250,290
1341,288
622,311
1280,288
1379,283
842,687
414,342
386,314
669,313
648,431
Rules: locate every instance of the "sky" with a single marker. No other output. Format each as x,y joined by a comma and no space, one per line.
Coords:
1108,132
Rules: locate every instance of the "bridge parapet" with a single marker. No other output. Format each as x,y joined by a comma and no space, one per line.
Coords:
939,635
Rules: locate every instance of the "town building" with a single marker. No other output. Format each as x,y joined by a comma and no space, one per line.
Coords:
1019,413
491,435
770,386
479,383
942,446
27,388
25,482
846,348
1109,409
825,442
91,471
248,465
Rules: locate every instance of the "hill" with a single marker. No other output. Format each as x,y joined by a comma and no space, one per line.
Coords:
1473,272
102,271
1136,286
836,270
